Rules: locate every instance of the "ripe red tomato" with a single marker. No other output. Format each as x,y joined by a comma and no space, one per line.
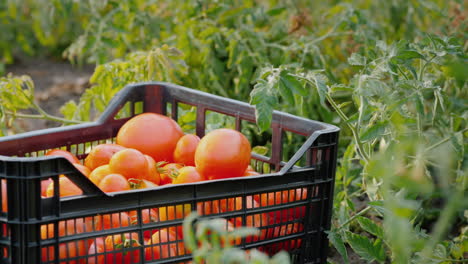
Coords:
147,216
184,152
168,172
283,197
125,247
4,196
67,188
208,207
254,220
174,212
152,134
130,163
101,155
222,153
153,174
69,249
111,221
97,246
188,174
158,251
66,154
284,230
44,185
114,183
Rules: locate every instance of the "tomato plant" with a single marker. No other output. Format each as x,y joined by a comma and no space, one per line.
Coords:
390,74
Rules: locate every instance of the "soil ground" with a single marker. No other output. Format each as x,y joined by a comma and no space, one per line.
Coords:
56,82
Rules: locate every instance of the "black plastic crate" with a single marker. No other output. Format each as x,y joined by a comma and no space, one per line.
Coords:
297,222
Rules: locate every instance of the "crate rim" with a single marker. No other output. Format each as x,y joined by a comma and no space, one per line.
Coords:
106,115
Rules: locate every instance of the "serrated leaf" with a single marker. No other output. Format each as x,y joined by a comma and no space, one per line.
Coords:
374,131
409,55
264,98
322,88
371,227
339,245
457,142
365,248
357,59
68,110
292,83
286,93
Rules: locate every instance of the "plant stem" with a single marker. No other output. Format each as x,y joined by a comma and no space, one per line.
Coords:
421,71
44,116
443,141
359,145
363,211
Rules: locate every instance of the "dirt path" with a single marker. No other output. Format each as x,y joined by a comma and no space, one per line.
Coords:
56,82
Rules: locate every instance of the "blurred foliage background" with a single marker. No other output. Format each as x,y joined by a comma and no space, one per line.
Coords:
390,73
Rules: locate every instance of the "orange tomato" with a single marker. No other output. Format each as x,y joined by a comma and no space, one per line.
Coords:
284,230
208,207
252,220
153,174
69,249
188,174
97,246
44,185
131,163
4,196
283,197
158,251
122,248
222,153
141,184
251,173
67,188
114,183
153,134
101,155
82,169
147,216
66,154
169,172
174,212
111,221
184,152
99,173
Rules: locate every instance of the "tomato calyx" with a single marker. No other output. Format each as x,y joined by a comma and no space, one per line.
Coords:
127,243
135,183
160,165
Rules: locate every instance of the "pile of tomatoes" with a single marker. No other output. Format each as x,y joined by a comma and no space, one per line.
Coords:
152,150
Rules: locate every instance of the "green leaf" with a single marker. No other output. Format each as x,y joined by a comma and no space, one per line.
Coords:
292,83
409,55
69,110
371,227
374,131
357,59
276,11
339,245
261,150
264,98
286,93
364,247
322,88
